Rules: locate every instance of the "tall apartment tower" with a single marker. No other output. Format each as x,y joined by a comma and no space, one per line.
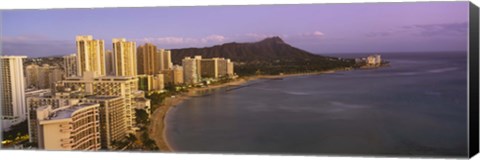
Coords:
166,59
70,65
125,55
12,90
209,68
109,63
148,60
191,69
90,55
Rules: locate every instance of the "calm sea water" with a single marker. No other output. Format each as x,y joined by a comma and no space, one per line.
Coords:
417,106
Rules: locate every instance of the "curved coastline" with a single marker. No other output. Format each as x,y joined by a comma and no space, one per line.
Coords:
157,128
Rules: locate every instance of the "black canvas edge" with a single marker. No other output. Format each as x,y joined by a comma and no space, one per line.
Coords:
473,112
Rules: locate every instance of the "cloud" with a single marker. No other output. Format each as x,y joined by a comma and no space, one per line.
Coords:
173,40
312,34
425,30
259,36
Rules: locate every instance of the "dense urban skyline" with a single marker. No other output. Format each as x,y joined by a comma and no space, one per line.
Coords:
322,28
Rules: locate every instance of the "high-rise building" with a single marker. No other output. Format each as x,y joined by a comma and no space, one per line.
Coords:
148,59
174,75
112,119
42,77
166,59
209,68
125,57
191,69
109,63
70,65
12,90
123,86
225,67
74,127
90,55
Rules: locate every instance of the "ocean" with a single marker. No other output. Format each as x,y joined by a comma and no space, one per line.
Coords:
415,107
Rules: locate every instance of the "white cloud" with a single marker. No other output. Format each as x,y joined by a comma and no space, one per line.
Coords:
313,34
172,40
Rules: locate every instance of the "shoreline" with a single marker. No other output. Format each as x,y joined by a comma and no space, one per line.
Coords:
157,128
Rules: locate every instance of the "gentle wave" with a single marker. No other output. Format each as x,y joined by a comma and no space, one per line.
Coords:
441,70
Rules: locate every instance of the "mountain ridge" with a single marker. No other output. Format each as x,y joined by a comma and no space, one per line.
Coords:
266,50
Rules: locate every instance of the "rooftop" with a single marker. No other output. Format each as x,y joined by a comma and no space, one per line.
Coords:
67,112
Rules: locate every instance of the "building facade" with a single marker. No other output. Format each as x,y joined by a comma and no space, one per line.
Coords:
75,127
109,63
12,90
191,70
112,119
148,59
43,77
209,68
125,57
70,65
124,87
173,76
90,55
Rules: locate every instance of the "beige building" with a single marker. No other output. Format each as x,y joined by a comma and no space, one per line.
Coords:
70,65
174,75
112,119
42,77
12,91
225,67
191,70
148,59
74,127
374,60
57,100
125,57
166,59
90,55
109,63
150,83
209,68
124,87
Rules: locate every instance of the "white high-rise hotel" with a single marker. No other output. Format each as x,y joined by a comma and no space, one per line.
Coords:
12,90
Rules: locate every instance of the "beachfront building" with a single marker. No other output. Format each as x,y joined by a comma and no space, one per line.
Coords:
225,67
90,55
70,65
151,83
173,76
209,68
191,70
42,77
112,119
75,127
12,91
125,57
124,86
374,60
109,63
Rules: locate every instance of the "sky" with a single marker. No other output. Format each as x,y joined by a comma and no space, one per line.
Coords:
317,28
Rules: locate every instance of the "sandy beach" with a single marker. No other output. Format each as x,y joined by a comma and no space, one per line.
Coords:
157,130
